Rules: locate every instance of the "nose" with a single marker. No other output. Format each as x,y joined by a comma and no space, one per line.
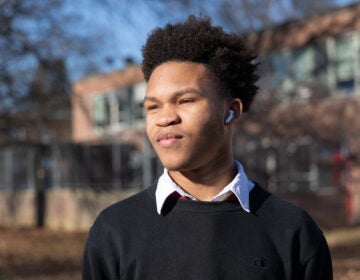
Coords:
168,116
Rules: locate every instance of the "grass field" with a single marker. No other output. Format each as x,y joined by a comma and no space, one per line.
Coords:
43,254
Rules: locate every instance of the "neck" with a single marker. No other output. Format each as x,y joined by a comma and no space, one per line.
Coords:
205,182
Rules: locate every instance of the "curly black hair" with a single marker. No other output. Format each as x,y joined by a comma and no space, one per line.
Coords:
196,40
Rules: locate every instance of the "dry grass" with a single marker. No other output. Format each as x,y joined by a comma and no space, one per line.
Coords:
40,254
33,254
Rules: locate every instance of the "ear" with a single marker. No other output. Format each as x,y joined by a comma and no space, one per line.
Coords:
237,106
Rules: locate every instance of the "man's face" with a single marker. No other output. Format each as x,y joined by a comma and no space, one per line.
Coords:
185,116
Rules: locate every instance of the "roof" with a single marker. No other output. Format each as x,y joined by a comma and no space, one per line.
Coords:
105,82
300,32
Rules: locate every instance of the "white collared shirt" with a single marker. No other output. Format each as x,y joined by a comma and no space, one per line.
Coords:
240,186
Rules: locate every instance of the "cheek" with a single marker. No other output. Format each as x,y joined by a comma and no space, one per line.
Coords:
208,124
214,128
148,126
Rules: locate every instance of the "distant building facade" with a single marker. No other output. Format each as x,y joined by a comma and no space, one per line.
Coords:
108,107
310,73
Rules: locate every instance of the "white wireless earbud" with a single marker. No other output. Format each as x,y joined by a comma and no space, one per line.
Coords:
230,116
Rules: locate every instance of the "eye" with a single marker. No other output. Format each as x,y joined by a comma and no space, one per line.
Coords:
152,107
186,100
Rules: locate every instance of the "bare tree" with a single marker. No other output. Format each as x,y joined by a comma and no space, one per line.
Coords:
36,38
242,15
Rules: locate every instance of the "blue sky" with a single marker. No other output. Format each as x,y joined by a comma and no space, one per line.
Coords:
124,28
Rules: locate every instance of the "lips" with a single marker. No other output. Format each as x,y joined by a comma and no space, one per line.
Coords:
168,139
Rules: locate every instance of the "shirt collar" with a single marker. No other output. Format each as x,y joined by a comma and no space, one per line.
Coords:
240,186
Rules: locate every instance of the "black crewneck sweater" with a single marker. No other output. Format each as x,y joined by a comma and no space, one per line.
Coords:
205,240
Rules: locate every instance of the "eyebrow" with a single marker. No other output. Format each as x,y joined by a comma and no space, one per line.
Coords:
176,94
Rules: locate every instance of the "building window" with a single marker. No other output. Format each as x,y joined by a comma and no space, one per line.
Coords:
345,57
119,109
101,112
297,73
122,106
274,68
309,63
138,99
275,77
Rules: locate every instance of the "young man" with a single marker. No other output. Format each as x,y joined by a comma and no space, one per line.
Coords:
203,218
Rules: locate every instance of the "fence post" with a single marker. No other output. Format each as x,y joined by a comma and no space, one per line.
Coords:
146,166
8,164
116,165
30,166
55,169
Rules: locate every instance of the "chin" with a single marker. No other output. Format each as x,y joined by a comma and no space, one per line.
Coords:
173,165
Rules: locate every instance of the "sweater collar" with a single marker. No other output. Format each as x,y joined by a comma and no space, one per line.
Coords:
240,186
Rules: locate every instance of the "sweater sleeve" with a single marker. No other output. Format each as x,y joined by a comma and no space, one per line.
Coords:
319,266
100,259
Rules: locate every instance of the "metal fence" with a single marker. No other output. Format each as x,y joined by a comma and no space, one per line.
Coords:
304,164
100,167
280,166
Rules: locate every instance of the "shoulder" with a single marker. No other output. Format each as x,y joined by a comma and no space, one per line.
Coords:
298,228
286,222
144,199
280,216
274,208
288,225
127,210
